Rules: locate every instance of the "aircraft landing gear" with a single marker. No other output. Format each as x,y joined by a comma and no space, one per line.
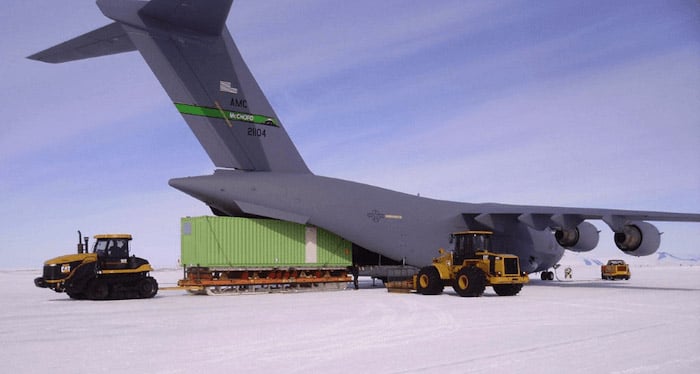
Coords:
549,275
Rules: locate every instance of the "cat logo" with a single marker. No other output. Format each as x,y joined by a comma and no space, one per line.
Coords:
65,268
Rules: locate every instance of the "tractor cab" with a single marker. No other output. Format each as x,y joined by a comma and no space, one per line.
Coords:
112,246
467,243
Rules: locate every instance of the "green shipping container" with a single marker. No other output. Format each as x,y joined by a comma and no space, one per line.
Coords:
230,242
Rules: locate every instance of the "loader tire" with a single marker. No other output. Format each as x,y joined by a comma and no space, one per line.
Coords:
507,289
429,282
469,282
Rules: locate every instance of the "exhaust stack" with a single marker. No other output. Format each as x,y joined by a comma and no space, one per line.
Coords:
82,248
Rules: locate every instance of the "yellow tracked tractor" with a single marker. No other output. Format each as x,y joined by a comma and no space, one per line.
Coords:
106,273
470,267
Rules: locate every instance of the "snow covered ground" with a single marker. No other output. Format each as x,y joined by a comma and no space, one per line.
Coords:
648,324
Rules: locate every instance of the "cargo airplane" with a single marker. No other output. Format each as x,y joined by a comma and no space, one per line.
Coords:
260,173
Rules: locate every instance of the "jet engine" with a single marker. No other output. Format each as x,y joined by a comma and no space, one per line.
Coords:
581,238
638,239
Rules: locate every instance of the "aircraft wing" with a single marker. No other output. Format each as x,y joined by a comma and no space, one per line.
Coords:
541,217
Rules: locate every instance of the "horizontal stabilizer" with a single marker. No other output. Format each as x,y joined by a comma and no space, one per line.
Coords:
107,40
206,17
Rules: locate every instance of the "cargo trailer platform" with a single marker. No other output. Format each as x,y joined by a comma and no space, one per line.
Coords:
224,281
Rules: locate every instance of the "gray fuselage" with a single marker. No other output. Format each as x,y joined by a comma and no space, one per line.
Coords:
400,226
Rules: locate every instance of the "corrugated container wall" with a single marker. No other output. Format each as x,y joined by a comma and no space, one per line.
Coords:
246,242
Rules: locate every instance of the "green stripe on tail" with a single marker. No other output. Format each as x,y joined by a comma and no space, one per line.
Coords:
202,111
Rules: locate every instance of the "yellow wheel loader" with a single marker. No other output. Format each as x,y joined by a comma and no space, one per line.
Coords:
470,267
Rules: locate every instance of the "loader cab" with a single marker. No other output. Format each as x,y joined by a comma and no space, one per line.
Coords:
115,246
467,243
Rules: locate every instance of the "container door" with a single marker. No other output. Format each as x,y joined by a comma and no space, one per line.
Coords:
311,246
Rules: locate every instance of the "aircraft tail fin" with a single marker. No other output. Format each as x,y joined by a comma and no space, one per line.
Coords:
190,50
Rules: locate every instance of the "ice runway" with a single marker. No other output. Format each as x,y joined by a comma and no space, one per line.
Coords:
646,325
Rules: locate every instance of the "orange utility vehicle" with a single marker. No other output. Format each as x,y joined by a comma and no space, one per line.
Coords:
615,269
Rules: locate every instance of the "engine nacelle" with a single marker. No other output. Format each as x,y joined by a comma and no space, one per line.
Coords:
581,238
638,239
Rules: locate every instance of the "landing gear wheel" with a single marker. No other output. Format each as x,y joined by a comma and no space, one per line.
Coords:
429,282
470,282
97,289
547,275
507,289
147,287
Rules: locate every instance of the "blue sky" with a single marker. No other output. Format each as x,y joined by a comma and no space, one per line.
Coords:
586,104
